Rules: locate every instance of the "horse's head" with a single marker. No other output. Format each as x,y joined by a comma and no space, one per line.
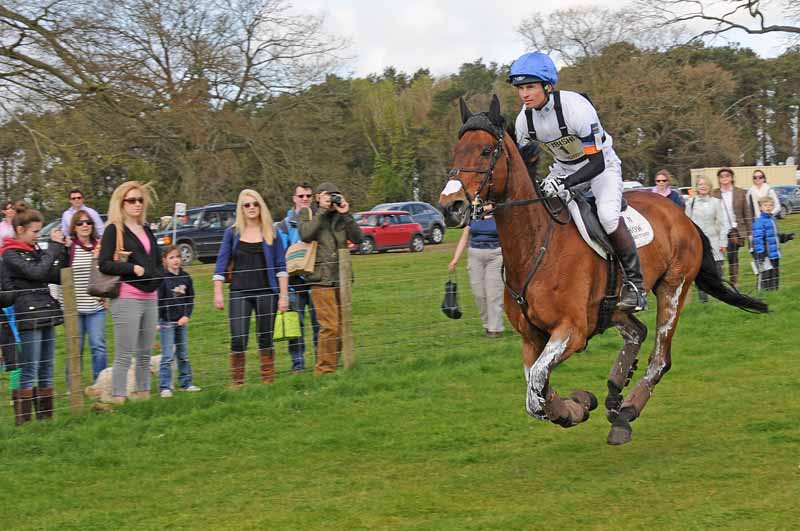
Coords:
480,169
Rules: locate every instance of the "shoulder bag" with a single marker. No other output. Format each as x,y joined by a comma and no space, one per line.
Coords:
101,284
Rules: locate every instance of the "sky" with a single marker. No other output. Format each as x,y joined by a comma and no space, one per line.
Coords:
443,34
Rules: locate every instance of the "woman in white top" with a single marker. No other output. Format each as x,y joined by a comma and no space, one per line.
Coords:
91,311
707,213
761,189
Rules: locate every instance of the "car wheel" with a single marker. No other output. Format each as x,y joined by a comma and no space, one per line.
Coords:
187,253
367,246
784,211
417,243
437,234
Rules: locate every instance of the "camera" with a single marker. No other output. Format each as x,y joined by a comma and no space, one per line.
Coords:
785,237
336,199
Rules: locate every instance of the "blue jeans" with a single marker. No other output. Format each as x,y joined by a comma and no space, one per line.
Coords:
174,338
92,325
298,300
38,353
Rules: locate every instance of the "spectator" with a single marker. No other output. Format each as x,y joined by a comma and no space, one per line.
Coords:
9,211
175,306
663,186
734,207
91,310
29,270
9,337
761,189
135,311
76,202
765,245
485,265
330,228
706,212
299,289
259,283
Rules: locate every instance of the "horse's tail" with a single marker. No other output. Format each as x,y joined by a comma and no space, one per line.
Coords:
710,280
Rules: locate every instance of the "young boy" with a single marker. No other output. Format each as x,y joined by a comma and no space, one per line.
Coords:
175,305
765,245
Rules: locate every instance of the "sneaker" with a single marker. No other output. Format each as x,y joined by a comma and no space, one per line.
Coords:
191,389
166,393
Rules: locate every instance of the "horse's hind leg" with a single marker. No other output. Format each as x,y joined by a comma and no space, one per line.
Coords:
633,333
670,301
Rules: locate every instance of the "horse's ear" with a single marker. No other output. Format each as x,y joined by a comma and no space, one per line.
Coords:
494,110
465,113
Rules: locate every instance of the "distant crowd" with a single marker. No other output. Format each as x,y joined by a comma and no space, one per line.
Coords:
118,268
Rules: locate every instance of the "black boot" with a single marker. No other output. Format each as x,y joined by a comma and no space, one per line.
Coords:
632,299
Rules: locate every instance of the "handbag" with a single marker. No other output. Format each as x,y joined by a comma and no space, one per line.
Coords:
300,258
450,302
103,285
287,326
735,237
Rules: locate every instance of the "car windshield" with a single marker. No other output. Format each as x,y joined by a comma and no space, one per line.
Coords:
192,219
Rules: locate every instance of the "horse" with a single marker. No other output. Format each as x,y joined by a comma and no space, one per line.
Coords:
556,283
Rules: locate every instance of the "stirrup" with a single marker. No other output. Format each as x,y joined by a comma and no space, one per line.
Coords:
641,299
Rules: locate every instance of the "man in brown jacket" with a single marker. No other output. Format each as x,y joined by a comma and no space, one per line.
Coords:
734,207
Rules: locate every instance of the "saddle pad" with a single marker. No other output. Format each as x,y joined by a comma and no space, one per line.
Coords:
640,228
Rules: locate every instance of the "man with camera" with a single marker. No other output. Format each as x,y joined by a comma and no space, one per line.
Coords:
331,227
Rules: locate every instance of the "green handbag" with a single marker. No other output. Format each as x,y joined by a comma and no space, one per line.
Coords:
287,326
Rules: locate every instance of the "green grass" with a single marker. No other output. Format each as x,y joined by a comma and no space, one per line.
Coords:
429,431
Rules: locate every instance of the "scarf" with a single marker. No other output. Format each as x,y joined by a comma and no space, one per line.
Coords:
13,243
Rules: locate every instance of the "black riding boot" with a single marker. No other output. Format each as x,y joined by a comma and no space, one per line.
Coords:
633,297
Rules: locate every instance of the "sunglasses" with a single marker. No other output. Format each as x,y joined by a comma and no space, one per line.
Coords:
74,197
303,196
249,205
133,200
88,222
660,181
758,177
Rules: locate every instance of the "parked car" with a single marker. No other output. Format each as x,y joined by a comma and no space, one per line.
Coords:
44,235
199,233
432,220
789,197
384,230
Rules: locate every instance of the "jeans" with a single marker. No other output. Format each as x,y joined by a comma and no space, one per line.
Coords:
240,305
174,337
92,325
298,300
134,334
38,354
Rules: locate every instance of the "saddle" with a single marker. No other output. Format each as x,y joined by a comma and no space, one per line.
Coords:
588,209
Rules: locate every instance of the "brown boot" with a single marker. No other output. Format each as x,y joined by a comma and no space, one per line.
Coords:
267,365
238,363
16,404
25,397
734,270
44,403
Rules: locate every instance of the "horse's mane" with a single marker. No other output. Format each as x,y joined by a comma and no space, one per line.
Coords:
483,121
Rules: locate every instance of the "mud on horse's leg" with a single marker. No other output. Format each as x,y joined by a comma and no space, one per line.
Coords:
542,402
670,302
634,332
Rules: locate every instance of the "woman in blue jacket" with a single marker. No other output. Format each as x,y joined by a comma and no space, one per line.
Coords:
252,258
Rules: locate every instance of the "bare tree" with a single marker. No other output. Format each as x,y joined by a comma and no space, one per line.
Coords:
585,31
756,17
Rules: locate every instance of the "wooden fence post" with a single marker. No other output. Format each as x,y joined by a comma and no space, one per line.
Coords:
346,300
70,308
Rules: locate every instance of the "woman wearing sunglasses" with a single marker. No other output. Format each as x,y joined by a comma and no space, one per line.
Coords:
761,189
252,258
135,311
91,311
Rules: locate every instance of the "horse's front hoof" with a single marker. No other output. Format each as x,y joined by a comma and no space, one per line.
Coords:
620,433
585,399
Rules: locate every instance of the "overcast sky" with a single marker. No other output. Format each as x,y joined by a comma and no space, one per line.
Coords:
443,34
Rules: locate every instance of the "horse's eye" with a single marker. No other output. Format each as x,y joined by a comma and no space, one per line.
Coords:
486,151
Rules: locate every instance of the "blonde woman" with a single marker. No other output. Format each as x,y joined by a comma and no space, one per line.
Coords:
254,256
135,311
707,212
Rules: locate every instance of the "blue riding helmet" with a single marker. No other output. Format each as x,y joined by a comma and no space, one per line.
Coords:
533,67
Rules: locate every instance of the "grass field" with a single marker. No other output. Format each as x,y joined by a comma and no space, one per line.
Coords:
429,431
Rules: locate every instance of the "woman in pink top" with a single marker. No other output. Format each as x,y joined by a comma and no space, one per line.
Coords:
135,311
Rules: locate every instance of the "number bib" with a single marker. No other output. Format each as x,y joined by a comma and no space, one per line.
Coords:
567,149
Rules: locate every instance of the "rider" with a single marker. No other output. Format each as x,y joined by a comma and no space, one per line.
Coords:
566,123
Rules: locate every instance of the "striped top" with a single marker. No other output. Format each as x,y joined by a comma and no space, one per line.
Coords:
81,267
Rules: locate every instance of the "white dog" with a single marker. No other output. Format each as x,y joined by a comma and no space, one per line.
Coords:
101,388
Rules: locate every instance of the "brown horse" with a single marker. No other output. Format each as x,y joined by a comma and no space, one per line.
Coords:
560,282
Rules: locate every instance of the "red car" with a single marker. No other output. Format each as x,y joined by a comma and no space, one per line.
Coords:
385,230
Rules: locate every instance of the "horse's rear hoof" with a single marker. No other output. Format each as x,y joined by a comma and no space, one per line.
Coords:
585,399
620,433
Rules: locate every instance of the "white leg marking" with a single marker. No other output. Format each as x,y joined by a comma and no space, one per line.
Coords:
663,332
537,377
